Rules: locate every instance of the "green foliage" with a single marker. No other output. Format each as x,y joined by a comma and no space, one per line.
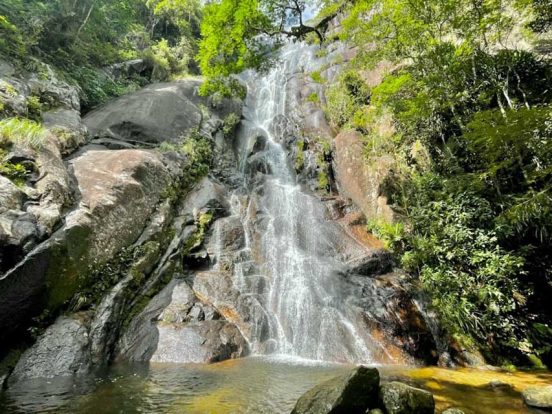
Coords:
299,155
15,172
392,234
18,130
347,100
317,77
314,98
229,44
200,153
229,124
472,153
168,61
34,108
78,37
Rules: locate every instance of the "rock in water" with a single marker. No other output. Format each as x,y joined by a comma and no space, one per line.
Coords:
352,393
540,397
453,411
399,398
61,351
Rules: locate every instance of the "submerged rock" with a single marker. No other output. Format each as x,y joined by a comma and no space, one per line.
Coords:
539,397
453,411
62,350
352,393
399,398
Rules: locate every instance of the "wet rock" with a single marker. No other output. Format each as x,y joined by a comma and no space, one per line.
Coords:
539,397
453,411
140,339
206,195
399,398
497,384
199,342
352,393
61,351
361,181
177,327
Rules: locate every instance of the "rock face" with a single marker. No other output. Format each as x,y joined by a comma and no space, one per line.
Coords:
359,180
157,113
399,398
352,393
177,327
61,351
539,397
104,225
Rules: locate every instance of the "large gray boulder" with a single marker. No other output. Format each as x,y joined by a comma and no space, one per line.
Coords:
399,398
62,350
158,113
352,393
177,327
118,192
539,397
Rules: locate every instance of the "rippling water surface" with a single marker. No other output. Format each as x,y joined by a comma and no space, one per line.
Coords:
251,385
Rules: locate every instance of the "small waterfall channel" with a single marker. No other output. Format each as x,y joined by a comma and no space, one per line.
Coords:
290,263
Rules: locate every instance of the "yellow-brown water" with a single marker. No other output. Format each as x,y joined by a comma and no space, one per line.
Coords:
255,385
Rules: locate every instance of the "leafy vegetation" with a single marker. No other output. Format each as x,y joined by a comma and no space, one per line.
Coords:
21,130
79,37
472,143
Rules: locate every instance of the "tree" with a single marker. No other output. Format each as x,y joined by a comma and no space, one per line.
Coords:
234,36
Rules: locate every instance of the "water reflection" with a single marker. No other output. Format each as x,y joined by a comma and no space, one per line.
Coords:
251,385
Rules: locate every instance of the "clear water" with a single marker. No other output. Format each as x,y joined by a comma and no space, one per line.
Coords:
255,385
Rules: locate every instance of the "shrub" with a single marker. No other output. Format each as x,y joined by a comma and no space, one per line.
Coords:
314,98
18,130
230,123
317,77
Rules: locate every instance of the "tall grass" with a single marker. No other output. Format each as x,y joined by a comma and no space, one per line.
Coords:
20,130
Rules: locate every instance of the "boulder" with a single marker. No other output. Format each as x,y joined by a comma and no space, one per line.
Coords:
399,398
62,350
352,393
177,327
119,191
157,113
199,342
359,180
538,397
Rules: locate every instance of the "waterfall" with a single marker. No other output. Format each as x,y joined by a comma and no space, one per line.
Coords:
299,280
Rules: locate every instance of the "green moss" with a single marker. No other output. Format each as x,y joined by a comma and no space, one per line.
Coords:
313,97
17,173
196,239
317,77
34,108
229,125
300,156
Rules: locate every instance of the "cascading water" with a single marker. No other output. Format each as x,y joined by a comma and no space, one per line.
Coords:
297,283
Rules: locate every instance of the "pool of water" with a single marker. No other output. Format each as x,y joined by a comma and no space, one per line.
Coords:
252,385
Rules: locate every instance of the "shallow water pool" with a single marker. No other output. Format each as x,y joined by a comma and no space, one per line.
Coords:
252,385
